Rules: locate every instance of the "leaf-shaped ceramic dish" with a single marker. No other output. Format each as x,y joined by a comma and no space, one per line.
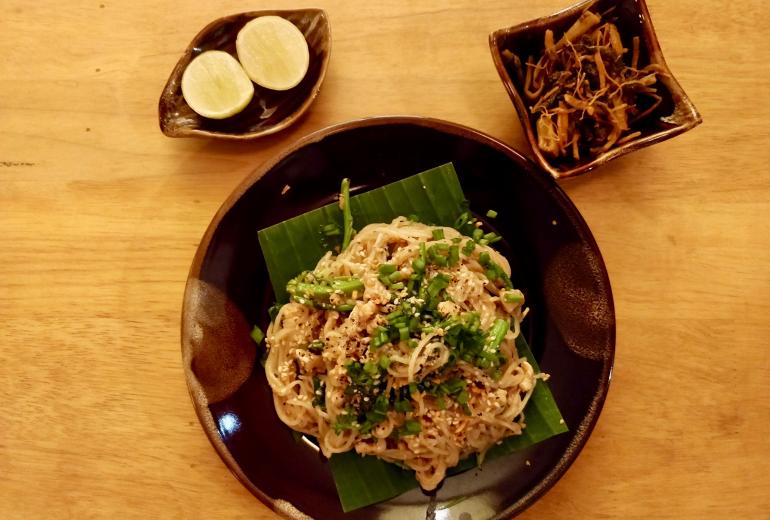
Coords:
675,115
270,110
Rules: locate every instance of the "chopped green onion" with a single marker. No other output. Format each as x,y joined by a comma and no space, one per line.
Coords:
384,362
454,255
397,286
345,421
491,213
345,307
440,261
410,427
396,276
403,333
454,385
462,220
387,269
316,346
438,249
477,234
273,310
319,393
462,397
371,368
418,265
379,338
513,297
402,406
437,284
457,240
257,335
468,248
484,259
412,343
438,234
394,315
331,230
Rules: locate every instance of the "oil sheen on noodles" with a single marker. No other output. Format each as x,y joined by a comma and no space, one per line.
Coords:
360,361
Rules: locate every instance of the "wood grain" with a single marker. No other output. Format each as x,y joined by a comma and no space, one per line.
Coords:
101,215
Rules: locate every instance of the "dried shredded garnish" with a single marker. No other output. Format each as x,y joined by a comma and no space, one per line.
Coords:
584,97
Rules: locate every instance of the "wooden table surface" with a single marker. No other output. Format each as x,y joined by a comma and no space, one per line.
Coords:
101,214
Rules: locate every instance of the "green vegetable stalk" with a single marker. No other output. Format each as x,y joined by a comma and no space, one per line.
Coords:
347,216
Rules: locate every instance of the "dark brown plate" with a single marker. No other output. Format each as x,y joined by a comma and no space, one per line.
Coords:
571,327
270,110
675,115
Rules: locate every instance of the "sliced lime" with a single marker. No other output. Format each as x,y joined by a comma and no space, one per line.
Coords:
215,85
273,52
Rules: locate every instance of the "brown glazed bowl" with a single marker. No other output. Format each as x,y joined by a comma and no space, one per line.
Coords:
675,115
555,261
270,110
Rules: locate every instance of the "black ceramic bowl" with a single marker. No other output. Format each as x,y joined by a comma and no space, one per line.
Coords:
571,326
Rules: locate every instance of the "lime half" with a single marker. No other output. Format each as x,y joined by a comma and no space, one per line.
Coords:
215,85
273,51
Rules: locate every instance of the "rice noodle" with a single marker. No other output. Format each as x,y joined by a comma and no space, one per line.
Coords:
448,430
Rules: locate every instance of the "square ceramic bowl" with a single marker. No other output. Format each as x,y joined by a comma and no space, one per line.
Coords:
674,115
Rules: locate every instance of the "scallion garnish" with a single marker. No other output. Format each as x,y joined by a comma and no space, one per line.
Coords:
387,269
513,297
454,255
410,427
257,335
316,346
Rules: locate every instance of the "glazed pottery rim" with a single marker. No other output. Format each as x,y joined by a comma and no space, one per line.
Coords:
187,55
582,431
687,120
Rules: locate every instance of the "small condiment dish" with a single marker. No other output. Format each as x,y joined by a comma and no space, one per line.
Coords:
270,110
674,115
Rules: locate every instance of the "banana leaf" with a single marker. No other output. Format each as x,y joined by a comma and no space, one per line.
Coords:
295,245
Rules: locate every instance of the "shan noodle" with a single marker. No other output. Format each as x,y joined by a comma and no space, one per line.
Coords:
402,346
